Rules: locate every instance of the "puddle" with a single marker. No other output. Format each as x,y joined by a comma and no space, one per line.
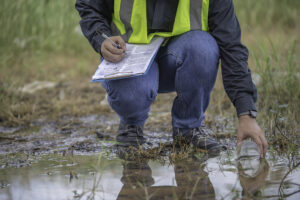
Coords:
103,176
77,158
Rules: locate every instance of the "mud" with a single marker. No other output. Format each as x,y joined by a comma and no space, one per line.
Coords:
77,157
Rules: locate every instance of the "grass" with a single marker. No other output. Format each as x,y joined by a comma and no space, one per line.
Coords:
42,41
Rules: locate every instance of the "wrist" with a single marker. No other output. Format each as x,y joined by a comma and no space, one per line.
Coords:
245,117
251,113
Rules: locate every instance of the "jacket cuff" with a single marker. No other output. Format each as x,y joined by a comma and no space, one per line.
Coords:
98,40
244,104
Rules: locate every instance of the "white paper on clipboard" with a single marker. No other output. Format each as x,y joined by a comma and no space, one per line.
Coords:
136,61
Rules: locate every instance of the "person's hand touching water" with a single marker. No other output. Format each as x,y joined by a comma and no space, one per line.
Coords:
248,128
112,53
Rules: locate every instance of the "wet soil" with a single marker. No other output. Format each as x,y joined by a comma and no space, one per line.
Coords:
75,156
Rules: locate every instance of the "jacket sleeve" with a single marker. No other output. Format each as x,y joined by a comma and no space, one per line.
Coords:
95,15
225,28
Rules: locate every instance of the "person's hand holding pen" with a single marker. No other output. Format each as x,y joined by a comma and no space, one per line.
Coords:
113,48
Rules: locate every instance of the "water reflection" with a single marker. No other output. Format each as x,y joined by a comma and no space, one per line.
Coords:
252,170
197,177
192,181
252,184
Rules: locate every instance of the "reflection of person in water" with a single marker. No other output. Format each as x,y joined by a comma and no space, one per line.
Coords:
252,184
192,182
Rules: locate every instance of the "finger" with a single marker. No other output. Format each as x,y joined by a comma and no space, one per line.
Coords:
119,40
258,141
239,142
109,46
264,143
111,57
239,139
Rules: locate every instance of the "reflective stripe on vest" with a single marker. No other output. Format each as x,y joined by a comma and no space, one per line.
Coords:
130,19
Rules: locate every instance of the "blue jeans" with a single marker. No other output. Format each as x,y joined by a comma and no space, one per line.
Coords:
188,64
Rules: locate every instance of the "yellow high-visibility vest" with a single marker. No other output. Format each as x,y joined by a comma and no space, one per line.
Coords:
130,19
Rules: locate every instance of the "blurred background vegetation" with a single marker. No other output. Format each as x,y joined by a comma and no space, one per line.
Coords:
42,41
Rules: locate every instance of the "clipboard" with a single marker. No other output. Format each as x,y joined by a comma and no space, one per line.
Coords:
137,61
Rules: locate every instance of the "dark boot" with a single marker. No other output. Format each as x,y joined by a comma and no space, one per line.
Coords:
130,135
199,137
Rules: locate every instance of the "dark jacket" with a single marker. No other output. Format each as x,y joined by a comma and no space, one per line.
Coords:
223,26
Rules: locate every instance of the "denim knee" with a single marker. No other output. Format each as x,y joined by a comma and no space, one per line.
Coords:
128,92
202,54
131,98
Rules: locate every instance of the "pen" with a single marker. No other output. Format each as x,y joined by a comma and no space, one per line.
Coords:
112,42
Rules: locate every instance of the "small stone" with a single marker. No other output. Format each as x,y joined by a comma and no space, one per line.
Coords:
101,135
104,102
256,78
36,86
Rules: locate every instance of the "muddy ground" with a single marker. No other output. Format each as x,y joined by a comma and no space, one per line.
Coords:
57,117
63,134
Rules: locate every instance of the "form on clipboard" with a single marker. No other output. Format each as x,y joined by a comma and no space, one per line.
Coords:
137,60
